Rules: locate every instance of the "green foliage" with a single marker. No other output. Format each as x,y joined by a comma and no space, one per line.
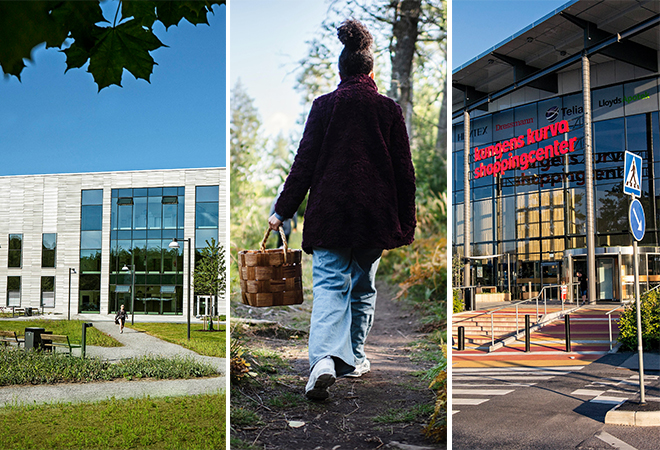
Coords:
650,313
206,343
191,423
457,301
29,367
405,415
244,417
89,37
210,276
71,328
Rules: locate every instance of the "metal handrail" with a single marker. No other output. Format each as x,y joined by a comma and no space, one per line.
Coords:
609,321
545,306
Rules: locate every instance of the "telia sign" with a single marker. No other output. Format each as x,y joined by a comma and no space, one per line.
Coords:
504,162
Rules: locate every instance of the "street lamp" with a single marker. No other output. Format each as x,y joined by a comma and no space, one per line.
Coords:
132,269
175,244
71,270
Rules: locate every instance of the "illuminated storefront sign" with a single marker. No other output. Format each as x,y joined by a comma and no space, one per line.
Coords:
505,162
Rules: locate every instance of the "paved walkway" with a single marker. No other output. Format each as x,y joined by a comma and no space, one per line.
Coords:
135,344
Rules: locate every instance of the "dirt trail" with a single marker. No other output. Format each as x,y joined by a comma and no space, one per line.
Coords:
385,408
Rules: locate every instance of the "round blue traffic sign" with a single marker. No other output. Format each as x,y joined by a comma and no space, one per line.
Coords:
637,220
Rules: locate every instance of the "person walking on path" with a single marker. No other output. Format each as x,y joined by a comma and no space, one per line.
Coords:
354,159
120,319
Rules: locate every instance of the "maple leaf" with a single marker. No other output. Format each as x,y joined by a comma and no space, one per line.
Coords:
109,50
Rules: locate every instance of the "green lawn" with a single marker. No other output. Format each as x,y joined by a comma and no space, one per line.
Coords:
203,342
71,328
193,422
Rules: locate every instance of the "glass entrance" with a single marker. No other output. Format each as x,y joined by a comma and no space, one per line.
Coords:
605,278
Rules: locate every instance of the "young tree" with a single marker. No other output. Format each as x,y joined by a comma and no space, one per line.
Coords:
210,276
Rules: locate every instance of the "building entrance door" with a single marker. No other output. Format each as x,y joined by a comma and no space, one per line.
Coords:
550,275
605,279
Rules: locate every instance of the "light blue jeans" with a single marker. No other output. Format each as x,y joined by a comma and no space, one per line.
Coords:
344,305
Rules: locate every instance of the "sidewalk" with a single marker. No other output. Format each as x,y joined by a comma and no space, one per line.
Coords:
631,412
136,344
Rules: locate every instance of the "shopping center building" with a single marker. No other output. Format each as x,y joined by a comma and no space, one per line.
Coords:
78,243
541,122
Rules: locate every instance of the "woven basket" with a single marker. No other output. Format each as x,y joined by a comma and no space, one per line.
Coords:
271,277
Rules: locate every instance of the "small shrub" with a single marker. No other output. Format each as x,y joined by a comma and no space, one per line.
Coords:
437,426
650,312
458,301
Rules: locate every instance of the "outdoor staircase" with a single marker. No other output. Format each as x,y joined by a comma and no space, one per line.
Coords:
477,324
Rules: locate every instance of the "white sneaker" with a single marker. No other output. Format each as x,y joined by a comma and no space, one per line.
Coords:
322,377
360,369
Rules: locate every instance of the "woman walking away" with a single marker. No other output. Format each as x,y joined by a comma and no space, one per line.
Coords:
120,319
354,159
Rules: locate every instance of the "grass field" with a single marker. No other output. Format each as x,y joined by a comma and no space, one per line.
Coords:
194,422
71,328
203,342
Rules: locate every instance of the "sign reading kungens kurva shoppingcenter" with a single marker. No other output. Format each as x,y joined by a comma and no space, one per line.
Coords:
506,159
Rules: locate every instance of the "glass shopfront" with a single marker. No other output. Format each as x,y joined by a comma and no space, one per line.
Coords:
535,212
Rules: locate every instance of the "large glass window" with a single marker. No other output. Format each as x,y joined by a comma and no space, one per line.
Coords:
15,250
47,292
139,242
91,225
206,217
14,291
48,249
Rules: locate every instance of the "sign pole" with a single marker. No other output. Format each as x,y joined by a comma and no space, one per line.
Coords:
632,185
639,322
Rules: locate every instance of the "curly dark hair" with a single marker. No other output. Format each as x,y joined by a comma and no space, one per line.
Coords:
357,56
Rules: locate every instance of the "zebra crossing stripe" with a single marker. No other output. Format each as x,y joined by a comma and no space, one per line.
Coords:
481,391
468,401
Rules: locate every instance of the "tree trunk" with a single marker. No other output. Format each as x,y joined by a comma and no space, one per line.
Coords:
402,51
441,143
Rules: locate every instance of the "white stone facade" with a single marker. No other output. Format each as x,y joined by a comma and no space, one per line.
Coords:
37,204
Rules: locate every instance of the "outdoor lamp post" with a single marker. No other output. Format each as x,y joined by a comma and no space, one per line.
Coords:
71,270
175,244
131,267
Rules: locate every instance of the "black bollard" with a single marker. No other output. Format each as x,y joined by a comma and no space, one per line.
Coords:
83,347
567,327
527,336
461,338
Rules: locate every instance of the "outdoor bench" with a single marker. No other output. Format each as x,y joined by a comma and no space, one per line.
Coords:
54,341
10,337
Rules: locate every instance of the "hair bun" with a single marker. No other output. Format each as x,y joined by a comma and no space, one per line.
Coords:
354,36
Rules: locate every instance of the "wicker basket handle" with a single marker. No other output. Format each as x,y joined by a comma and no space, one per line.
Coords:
267,233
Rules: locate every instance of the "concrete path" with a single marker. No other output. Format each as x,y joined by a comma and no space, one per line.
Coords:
136,344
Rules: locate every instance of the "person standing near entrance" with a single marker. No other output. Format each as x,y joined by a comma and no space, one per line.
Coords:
583,286
354,159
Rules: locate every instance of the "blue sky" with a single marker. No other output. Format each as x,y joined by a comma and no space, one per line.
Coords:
268,38
480,24
52,122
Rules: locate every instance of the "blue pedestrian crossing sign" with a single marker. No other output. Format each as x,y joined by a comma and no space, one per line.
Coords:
637,219
632,180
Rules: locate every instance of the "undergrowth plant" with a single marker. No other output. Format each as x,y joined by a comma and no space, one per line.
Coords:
18,366
650,313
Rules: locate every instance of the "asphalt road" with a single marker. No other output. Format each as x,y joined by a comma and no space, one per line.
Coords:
556,407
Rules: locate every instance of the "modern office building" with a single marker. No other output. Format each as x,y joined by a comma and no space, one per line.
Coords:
74,242
541,122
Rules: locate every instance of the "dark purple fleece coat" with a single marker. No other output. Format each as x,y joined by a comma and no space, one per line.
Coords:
354,159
